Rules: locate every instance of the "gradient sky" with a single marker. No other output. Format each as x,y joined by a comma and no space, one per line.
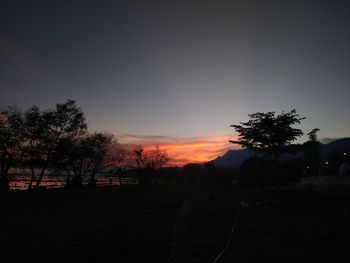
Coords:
179,72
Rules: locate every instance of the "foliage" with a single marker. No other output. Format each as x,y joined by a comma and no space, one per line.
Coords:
55,139
85,155
312,152
313,135
268,133
11,142
49,129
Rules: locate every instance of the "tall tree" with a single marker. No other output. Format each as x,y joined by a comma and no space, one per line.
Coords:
83,156
11,142
33,128
157,159
65,122
312,152
101,150
118,158
268,133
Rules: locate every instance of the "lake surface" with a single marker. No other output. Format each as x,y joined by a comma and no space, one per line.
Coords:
20,180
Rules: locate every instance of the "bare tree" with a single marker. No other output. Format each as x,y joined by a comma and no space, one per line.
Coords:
118,158
149,162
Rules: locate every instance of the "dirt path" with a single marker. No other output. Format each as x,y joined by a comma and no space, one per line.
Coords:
202,227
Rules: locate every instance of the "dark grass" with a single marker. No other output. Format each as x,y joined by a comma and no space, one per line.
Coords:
294,225
135,224
119,224
286,225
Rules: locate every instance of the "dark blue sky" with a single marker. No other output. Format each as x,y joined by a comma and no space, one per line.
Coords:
180,68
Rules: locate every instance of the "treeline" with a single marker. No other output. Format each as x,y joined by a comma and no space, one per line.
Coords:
270,135
57,140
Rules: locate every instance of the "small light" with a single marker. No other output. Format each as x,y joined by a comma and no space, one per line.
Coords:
307,167
327,162
345,153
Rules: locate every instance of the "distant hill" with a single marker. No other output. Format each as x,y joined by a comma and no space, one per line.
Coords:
341,145
234,158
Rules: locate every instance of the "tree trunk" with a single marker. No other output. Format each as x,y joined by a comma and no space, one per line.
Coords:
30,186
46,164
76,182
37,185
4,183
140,176
119,174
278,170
156,176
92,181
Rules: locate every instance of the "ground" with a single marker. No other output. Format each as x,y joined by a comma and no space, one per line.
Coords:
291,224
137,224
125,224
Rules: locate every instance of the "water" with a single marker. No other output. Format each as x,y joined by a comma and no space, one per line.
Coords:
21,180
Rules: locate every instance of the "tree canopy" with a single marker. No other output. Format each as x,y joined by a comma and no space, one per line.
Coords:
11,142
312,152
268,133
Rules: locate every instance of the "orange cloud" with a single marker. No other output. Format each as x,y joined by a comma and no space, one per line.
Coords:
181,150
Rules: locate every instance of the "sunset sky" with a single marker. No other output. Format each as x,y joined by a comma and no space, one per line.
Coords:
178,73
180,150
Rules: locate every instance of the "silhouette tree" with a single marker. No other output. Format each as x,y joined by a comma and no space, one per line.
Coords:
82,156
148,162
65,122
62,157
138,159
11,143
34,125
312,152
100,148
157,159
122,163
267,133
118,158
54,139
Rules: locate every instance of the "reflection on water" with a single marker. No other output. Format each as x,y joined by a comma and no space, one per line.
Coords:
20,180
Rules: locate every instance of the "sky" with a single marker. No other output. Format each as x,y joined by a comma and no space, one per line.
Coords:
179,73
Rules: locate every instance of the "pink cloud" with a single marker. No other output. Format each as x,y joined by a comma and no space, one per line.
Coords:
181,150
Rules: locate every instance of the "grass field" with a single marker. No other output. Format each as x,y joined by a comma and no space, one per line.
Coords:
122,224
136,223
288,225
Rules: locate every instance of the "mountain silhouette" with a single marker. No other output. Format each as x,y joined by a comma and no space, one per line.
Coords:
234,158
341,145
